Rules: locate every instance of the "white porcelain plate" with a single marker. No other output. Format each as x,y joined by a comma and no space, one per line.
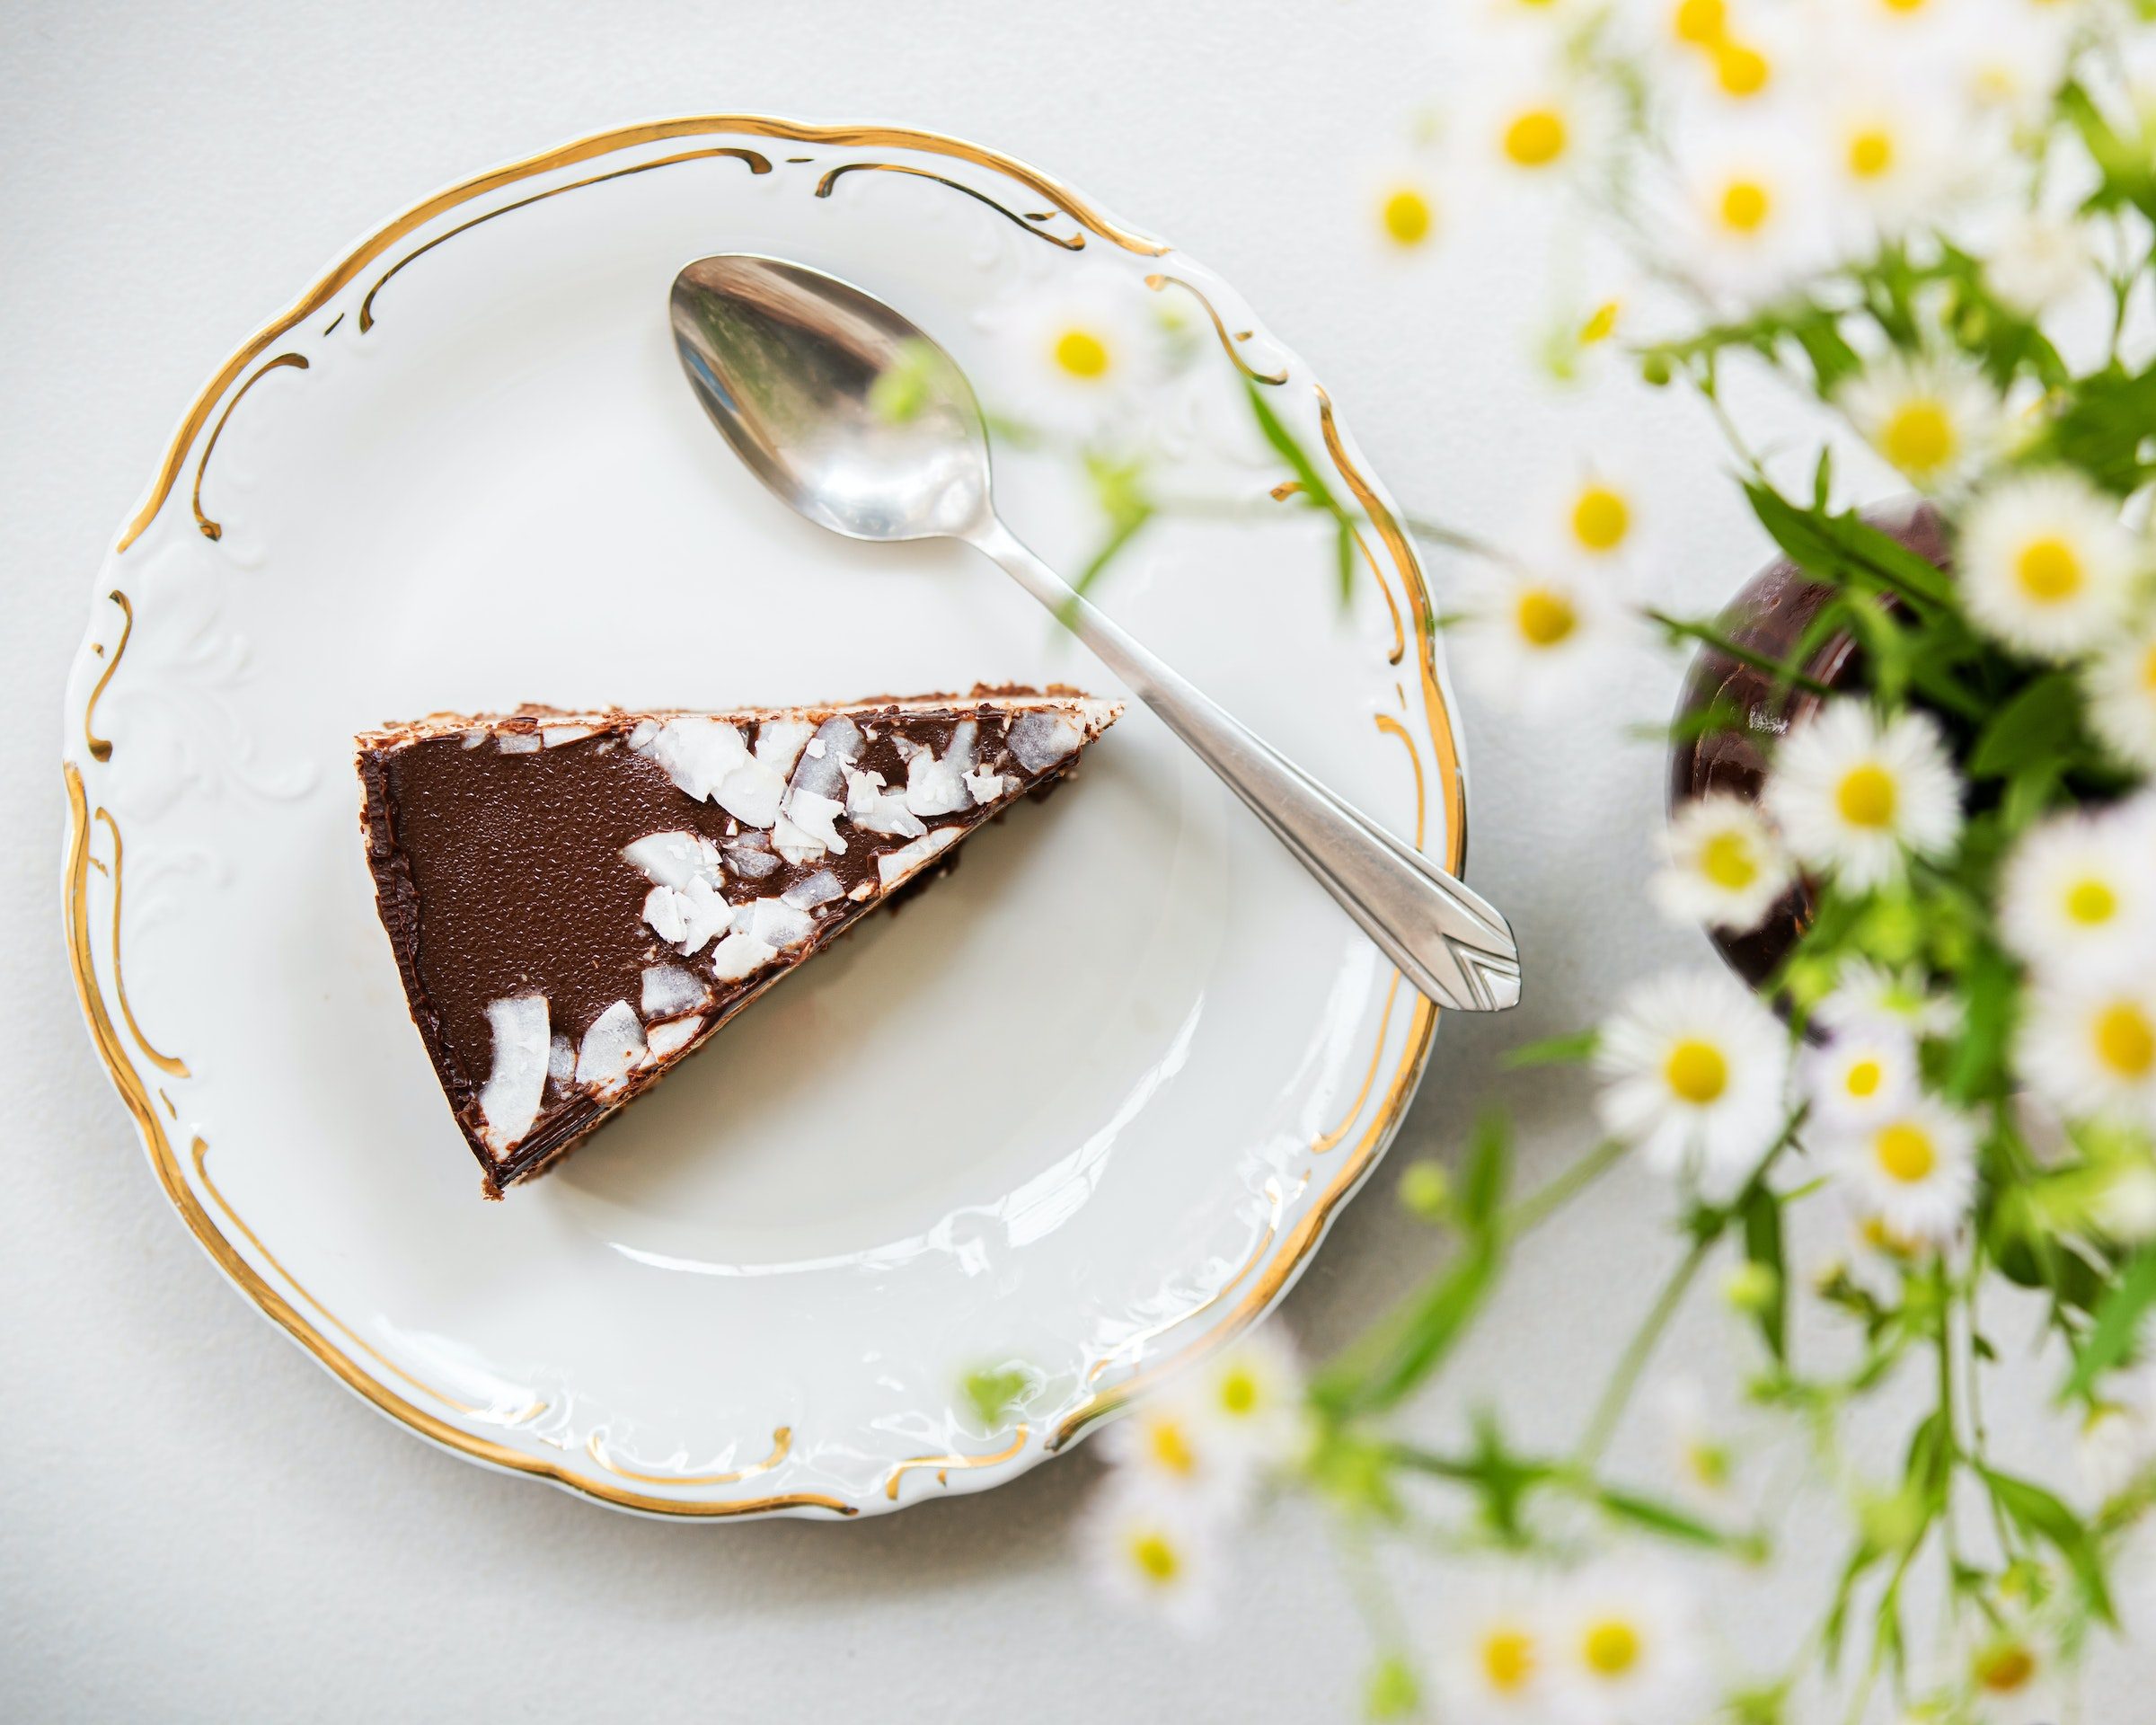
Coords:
1082,1110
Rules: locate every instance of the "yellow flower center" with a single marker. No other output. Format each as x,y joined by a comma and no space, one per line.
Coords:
1535,138
1746,206
1156,1559
2091,902
1709,1463
1611,1647
1903,6
1599,326
1546,618
1871,153
1081,354
2005,1668
1863,1078
2148,670
1866,797
1726,860
1696,1072
1239,1392
2125,1041
1698,21
1172,1450
2049,570
1407,216
1741,71
1918,437
1904,1152
1507,1659
1601,517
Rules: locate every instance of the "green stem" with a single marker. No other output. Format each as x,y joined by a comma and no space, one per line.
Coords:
1618,1392
1540,1205
1721,643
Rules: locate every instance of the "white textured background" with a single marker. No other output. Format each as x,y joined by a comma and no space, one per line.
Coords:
195,1521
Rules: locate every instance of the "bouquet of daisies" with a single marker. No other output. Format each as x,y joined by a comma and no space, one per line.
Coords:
1931,223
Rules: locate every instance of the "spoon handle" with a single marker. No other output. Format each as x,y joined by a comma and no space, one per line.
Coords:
1446,940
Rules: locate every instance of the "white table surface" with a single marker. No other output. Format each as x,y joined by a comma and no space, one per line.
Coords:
197,1522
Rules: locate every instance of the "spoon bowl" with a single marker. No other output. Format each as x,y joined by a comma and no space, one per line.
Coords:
834,401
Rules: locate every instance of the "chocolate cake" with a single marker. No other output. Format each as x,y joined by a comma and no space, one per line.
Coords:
578,901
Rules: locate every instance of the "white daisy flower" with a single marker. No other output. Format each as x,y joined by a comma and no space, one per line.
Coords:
2035,260
1892,155
1408,207
1868,997
1913,1170
1084,357
1164,1442
1628,1647
2077,896
1936,419
2008,1666
1863,1074
1535,641
1494,1653
1747,221
1154,1550
1694,1070
1856,797
1722,865
2117,1444
1527,119
2089,1049
2009,60
2122,697
1246,1404
2047,565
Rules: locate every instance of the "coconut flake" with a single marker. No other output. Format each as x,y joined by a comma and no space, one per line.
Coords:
738,954
612,1047
697,753
817,816
554,736
936,786
667,1039
779,742
509,1101
1040,738
986,785
871,808
751,793
561,1061
777,922
673,859
663,912
517,742
749,857
910,859
838,741
819,888
705,914
475,736
670,990
639,739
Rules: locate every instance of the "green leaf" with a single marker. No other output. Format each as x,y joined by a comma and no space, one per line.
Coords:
1555,1050
1315,489
992,1393
1403,1349
1835,546
1488,1170
2117,1322
1655,1516
2039,723
1392,1692
2104,429
1762,1214
2040,1515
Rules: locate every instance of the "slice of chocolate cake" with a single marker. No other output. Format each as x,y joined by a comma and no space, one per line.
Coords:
576,901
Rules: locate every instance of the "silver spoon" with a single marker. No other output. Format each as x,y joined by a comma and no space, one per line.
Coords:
786,360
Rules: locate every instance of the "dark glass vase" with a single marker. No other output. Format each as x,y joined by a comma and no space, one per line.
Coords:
1768,617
